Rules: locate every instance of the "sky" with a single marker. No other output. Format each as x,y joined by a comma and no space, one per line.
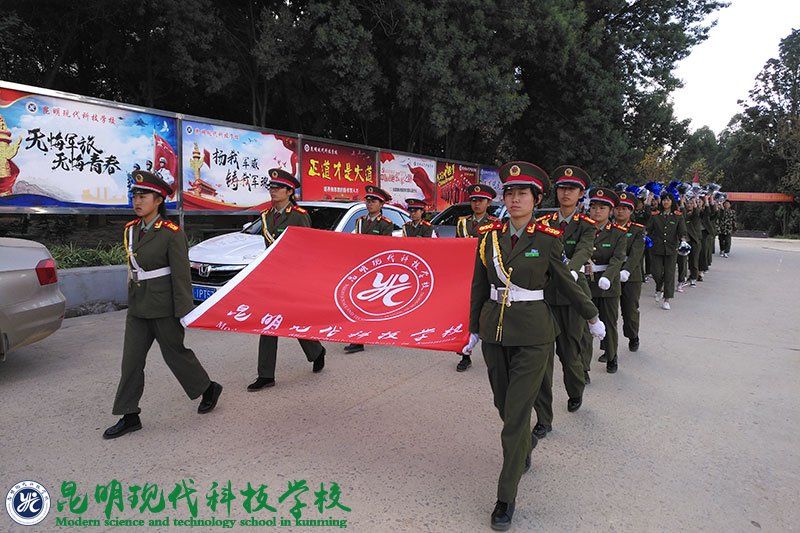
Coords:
722,69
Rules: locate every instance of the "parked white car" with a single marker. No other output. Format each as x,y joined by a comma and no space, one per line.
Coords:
31,304
216,260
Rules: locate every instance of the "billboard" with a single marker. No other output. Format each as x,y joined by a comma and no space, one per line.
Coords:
56,152
336,172
227,169
408,176
491,177
452,180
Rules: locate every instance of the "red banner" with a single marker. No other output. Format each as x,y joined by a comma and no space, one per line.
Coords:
358,288
452,179
335,172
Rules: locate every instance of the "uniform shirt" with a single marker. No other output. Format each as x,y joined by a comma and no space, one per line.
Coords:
423,229
610,245
666,231
578,240
634,233
377,225
145,227
534,261
274,222
467,226
694,226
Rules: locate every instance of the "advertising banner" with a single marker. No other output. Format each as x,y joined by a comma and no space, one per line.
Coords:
408,176
227,169
452,179
491,177
359,288
56,152
336,172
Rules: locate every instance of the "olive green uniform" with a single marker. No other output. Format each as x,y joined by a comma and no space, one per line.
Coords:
273,224
155,307
694,230
467,226
666,231
379,226
610,246
518,337
577,238
708,218
632,289
423,229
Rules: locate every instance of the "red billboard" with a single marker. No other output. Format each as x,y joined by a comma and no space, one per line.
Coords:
335,172
452,180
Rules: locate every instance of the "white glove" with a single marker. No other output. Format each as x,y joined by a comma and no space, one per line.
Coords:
473,340
574,275
624,275
604,283
598,329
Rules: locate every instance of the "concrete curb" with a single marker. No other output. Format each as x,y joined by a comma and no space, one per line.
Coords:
94,284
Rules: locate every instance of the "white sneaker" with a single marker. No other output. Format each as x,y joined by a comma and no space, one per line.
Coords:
692,283
657,296
681,287
665,305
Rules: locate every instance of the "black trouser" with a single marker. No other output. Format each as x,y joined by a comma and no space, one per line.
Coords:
664,274
608,308
268,354
139,336
683,267
705,255
629,302
694,259
725,243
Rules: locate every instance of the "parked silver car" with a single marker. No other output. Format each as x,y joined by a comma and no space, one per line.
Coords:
31,304
445,222
219,259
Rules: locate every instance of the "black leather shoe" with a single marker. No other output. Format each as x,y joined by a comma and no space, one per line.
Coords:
586,378
502,515
261,383
540,431
633,344
573,404
603,358
353,348
126,424
319,363
611,367
210,397
464,364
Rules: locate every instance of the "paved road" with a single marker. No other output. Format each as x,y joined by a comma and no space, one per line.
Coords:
697,431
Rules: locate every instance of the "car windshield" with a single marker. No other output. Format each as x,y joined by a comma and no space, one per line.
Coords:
322,217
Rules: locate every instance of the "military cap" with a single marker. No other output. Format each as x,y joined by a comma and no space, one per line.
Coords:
604,195
481,190
521,173
278,176
571,176
627,199
377,193
148,181
416,203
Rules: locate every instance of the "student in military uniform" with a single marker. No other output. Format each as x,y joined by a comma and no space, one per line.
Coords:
708,221
694,230
284,213
631,274
666,228
373,223
159,294
610,245
515,260
480,196
682,259
577,236
417,226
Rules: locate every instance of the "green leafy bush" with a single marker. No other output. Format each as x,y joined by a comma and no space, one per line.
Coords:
71,256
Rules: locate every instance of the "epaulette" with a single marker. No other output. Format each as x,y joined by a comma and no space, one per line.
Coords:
585,218
486,228
542,218
492,218
621,228
678,212
132,222
553,232
386,220
655,212
167,224
296,208
637,224
426,223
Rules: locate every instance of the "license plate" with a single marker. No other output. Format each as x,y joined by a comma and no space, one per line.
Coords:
202,293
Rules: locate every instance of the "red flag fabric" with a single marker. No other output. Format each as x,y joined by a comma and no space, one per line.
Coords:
341,287
163,149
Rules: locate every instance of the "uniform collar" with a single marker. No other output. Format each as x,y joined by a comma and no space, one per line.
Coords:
566,219
147,227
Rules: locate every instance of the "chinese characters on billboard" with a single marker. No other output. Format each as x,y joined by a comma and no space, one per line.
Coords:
335,172
452,180
63,153
227,169
408,176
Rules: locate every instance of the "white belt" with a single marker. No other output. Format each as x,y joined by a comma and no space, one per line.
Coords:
515,294
139,274
599,268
